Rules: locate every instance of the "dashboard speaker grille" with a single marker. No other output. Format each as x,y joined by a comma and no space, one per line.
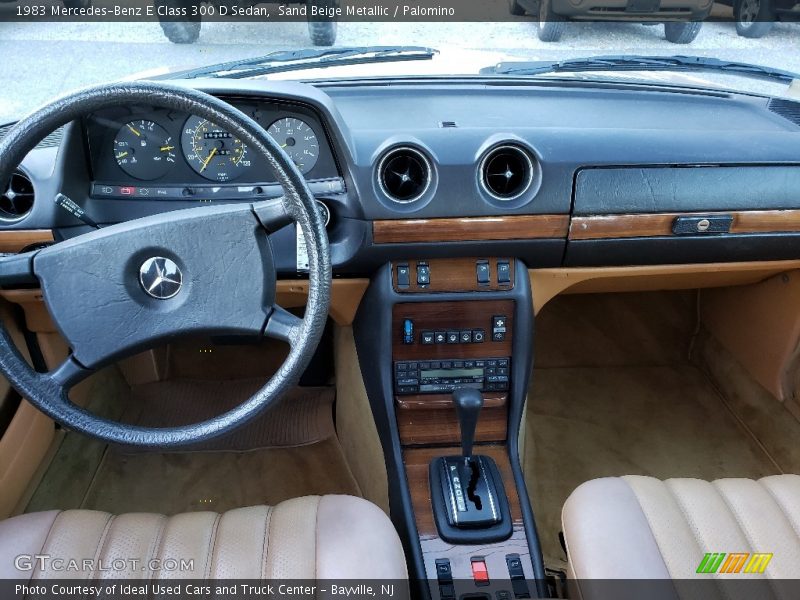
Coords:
506,172
16,200
404,174
786,108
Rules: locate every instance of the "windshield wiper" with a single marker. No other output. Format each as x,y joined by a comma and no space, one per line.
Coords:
312,58
640,63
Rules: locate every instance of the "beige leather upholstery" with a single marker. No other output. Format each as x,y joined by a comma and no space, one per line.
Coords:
642,528
322,537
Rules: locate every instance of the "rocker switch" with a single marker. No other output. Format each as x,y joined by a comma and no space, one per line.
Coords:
483,273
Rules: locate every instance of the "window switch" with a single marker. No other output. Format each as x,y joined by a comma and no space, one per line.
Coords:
403,277
503,271
517,576
423,274
483,272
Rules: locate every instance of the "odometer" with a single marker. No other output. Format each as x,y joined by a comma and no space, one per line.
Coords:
144,150
213,152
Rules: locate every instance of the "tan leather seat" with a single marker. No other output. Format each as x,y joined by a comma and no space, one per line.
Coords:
320,537
637,527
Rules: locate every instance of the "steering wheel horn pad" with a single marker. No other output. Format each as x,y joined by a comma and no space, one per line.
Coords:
93,288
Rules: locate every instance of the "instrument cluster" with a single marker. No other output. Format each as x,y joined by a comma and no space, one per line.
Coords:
147,146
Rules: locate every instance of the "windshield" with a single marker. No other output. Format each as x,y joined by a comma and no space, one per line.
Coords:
72,45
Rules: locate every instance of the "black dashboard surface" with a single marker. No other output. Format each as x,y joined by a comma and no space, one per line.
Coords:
591,146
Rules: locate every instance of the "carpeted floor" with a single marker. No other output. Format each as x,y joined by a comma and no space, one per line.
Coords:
290,451
615,394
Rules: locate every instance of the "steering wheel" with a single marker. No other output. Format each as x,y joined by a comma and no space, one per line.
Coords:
128,287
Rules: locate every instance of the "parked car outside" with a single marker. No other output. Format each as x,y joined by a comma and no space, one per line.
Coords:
682,18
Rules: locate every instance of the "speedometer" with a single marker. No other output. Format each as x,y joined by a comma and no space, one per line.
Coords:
298,140
213,152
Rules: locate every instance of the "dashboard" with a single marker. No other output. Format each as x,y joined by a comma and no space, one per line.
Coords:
558,174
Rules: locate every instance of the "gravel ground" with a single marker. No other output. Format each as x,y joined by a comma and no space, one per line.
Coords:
44,60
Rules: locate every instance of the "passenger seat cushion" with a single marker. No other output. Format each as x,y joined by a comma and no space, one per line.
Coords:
640,527
304,538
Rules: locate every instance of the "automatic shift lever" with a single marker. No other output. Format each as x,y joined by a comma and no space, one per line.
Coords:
469,402
469,501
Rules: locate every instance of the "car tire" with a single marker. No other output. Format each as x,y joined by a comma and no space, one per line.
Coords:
682,33
515,8
77,3
183,31
754,18
322,30
551,25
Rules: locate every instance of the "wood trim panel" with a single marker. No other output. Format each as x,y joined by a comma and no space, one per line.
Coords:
453,275
433,401
516,227
660,224
18,239
440,425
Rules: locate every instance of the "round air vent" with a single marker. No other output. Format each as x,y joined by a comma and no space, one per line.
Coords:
404,174
506,172
16,200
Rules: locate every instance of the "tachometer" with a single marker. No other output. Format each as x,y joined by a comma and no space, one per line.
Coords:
298,140
213,152
144,149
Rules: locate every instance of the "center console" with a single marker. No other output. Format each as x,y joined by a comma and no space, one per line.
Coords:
445,348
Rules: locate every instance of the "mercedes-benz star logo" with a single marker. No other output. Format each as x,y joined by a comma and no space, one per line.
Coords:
160,277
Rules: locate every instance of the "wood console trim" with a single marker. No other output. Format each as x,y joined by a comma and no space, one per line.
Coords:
440,425
516,227
435,401
18,239
660,224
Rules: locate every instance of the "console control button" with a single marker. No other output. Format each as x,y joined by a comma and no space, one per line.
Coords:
480,574
483,272
503,272
423,274
444,577
427,337
499,328
466,336
408,331
478,335
453,337
403,276
440,337
517,576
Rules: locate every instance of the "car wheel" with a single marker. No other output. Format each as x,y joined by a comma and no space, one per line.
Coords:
183,31
77,3
515,8
322,30
682,33
754,18
551,25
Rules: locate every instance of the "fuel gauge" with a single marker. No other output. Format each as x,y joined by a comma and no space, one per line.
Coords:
144,150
